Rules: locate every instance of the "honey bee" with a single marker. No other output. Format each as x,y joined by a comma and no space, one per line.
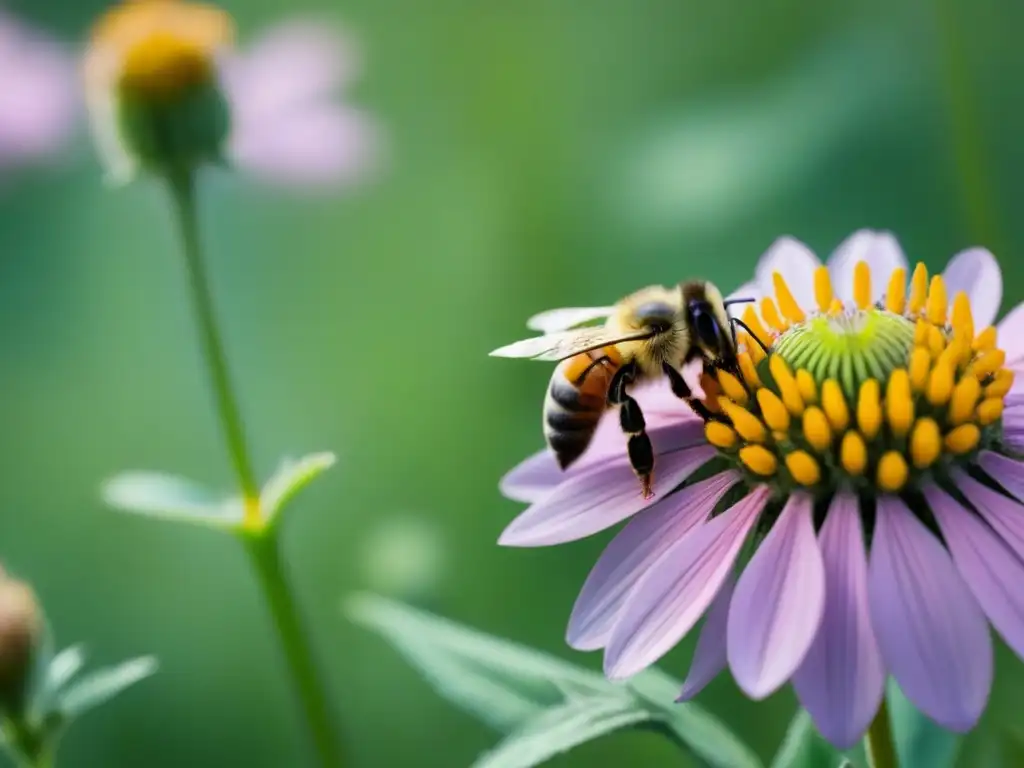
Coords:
649,334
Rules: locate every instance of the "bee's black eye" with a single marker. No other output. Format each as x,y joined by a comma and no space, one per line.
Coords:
705,326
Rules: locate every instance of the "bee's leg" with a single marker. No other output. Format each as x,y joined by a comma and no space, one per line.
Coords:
682,390
631,419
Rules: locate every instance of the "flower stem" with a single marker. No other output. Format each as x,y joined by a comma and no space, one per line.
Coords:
878,741
260,539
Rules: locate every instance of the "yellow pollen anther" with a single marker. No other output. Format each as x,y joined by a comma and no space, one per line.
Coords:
990,410
803,468
963,439
753,349
899,403
896,294
962,319
806,386
720,435
816,428
790,309
834,405
754,323
862,284
732,387
936,341
985,340
940,385
989,363
759,460
1001,384
748,370
950,356
771,314
918,289
853,453
836,308
773,411
938,301
892,471
965,397
786,385
921,333
869,409
925,443
823,288
744,422
920,365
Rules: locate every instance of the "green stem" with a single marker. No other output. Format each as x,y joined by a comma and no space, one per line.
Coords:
184,193
260,539
878,741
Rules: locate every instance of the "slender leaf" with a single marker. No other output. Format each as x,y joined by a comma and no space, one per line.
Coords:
166,496
804,747
561,728
696,729
290,478
501,682
919,741
64,666
101,686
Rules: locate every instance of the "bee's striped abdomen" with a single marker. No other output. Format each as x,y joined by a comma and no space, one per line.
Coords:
577,397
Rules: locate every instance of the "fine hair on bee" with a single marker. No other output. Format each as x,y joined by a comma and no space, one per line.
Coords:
651,334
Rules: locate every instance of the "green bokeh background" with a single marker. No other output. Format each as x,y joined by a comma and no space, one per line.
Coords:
540,153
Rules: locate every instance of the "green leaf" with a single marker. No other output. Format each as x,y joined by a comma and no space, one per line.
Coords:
102,685
804,747
919,741
166,496
547,704
64,666
500,682
697,730
561,728
290,478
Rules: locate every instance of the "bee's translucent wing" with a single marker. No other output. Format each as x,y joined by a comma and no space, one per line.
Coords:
564,344
566,317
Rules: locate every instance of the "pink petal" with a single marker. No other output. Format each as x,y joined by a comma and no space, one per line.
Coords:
880,250
679,587
778,605
532,478
841,680
976,272
1010,336
795,262
1008,472
1004,514
993,573
633,551
932,633
1013,418
709,658
598,498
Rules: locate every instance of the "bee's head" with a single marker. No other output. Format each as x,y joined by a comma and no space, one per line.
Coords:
708,321
656,316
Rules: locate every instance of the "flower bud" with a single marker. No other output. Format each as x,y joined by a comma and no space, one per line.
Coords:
151,80
21,625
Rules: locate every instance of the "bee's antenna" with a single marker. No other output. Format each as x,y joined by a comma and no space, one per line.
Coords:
745,327
730,302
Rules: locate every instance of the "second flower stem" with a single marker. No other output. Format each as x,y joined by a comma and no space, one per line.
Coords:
878,742
260,539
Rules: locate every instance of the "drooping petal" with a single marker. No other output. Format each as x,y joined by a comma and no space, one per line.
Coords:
1013,420
881,252
597,498
1008,472
976,272
1001,512
993,573
795,262
777,608
841,680
632,552
679,587
1010,338
710,658
932,633
532,478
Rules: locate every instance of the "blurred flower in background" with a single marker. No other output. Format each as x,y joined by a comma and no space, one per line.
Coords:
38,98
403,557
166,85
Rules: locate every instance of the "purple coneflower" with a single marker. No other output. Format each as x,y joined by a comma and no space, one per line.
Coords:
37,94
867,479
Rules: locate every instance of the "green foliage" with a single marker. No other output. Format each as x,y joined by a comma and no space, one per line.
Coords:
919,741
804,747
545,706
